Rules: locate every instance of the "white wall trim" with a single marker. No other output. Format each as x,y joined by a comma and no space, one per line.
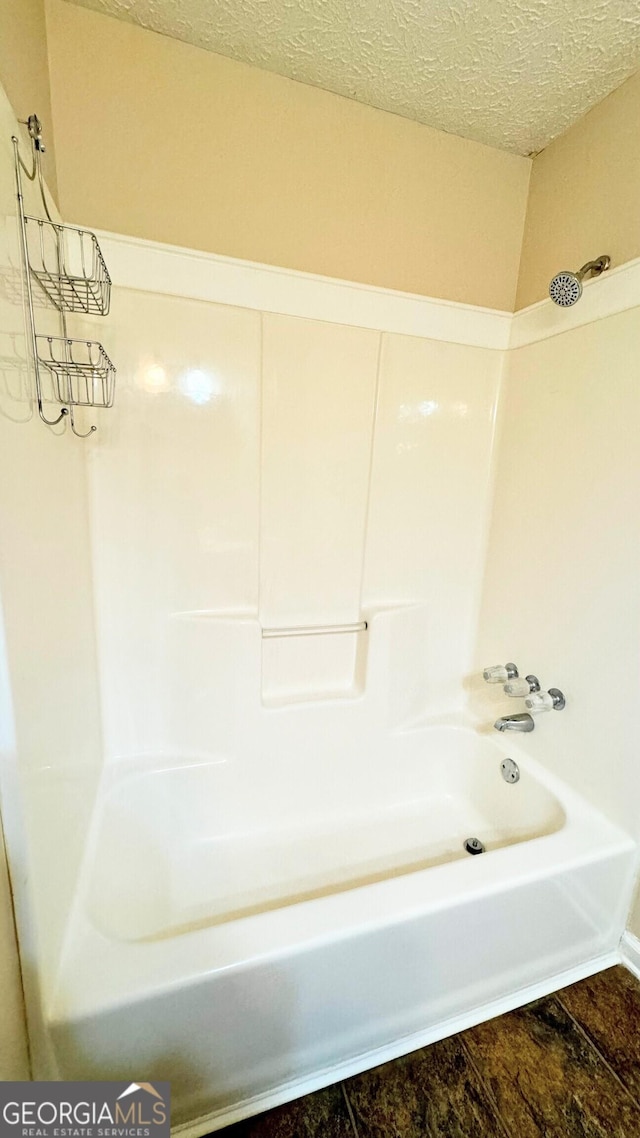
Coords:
150,266
630,952
616,291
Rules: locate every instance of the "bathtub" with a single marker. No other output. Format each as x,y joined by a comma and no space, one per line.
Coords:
251,947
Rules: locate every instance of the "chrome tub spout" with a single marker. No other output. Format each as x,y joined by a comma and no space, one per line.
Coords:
521,722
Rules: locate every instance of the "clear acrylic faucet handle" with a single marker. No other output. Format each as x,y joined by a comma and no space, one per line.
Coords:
522,686
500,673
538,702
552,700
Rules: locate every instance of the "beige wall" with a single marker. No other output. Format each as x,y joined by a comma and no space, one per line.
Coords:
24,68
177,144
296,176
584,198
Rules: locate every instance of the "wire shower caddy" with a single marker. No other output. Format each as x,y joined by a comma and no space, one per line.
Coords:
83,375
67,264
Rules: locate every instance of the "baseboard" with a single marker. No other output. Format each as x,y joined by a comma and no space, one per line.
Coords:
216,1120
630,953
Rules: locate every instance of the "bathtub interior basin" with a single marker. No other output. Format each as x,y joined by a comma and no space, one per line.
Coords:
187,845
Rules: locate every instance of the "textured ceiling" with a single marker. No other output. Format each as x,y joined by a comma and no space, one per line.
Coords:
511,73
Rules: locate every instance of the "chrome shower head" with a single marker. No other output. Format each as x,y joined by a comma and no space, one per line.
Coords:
566,288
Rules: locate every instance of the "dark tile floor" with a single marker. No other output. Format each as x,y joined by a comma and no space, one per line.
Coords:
567,1066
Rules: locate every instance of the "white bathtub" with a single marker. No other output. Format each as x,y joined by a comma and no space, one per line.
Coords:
252,943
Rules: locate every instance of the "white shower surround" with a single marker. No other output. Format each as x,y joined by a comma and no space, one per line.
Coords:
559,899
589,858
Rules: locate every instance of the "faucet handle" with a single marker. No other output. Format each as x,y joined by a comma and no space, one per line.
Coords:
500,673
522,686
552,700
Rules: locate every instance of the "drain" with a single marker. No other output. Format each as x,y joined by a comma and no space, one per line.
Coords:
473,846
510,770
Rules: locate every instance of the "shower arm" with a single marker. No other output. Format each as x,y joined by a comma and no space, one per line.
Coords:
596,267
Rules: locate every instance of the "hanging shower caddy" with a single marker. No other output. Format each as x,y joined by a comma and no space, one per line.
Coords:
67,265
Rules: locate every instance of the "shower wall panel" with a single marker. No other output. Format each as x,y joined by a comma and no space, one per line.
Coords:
248,481
319,388
175,517
561,594
429,501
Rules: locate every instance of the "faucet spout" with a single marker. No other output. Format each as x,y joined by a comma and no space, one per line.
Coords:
522,722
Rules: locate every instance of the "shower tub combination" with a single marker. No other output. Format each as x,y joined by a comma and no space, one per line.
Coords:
276,942
277,894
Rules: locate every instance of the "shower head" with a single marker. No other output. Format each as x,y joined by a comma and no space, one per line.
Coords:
566,288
